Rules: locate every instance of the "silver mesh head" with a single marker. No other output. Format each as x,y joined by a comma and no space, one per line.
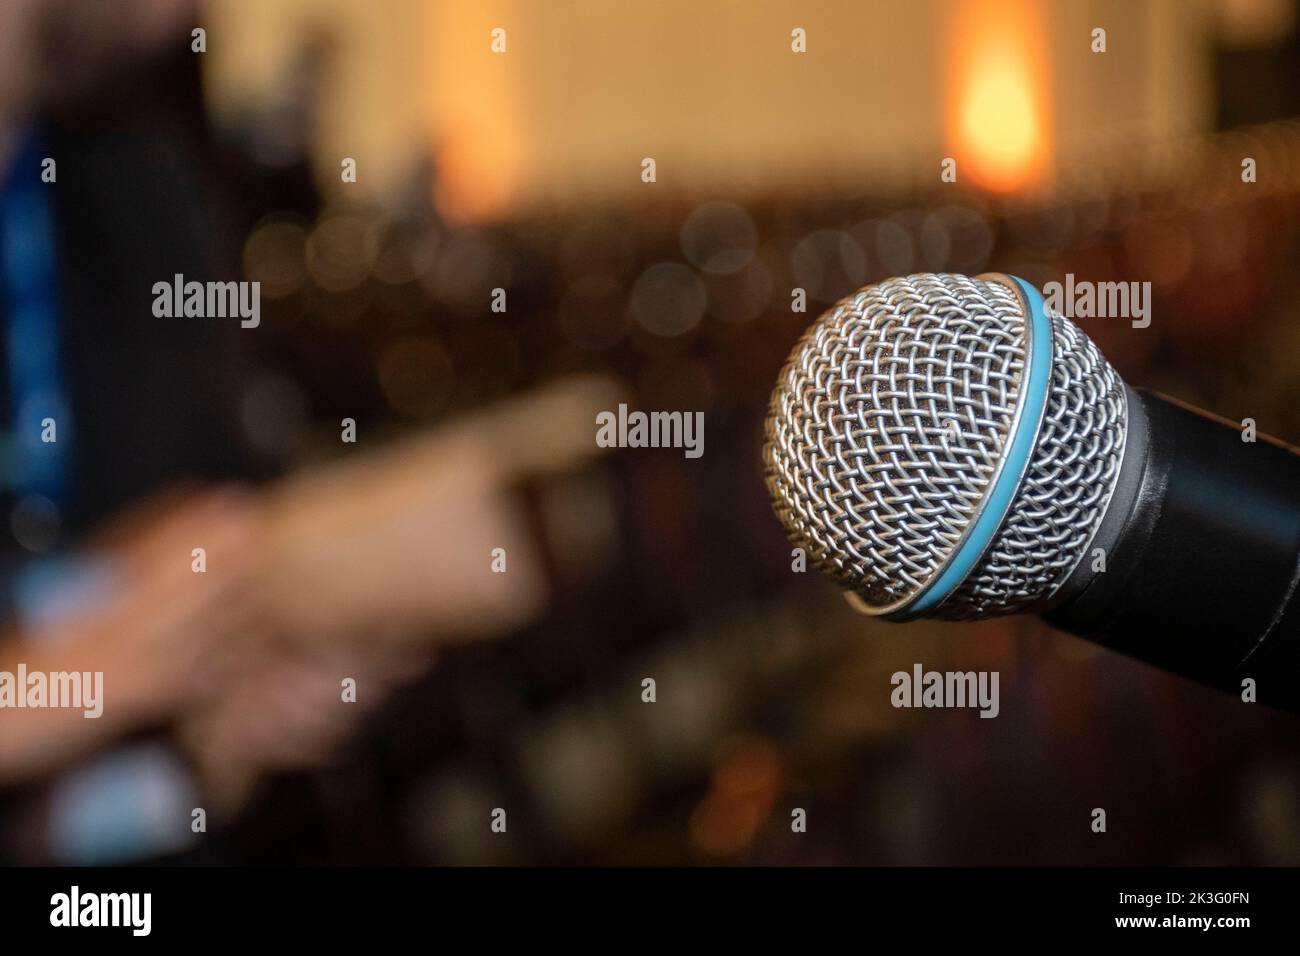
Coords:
889,424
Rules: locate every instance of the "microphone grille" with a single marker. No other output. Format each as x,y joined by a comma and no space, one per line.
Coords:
891,419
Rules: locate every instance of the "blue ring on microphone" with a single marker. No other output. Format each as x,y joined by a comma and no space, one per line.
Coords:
998,502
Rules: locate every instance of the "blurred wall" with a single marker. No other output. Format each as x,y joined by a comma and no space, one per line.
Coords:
711,90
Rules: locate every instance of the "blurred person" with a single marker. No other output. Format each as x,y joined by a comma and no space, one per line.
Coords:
352,571
132,407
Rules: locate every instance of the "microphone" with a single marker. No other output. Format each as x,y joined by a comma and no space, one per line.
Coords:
949,447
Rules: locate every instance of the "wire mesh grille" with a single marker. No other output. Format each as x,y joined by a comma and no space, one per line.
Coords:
1063,496
886,427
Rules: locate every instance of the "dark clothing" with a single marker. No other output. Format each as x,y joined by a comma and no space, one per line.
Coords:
136,201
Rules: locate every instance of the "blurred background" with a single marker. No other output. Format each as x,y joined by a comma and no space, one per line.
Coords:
774,170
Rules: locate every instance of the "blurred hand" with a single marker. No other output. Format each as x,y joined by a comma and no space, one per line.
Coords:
285,710
366,566
153,636
166,624
401,541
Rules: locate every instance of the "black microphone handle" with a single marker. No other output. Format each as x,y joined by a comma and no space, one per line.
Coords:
1202,560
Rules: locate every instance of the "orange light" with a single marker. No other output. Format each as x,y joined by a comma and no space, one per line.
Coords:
997,119
477,132
746,781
